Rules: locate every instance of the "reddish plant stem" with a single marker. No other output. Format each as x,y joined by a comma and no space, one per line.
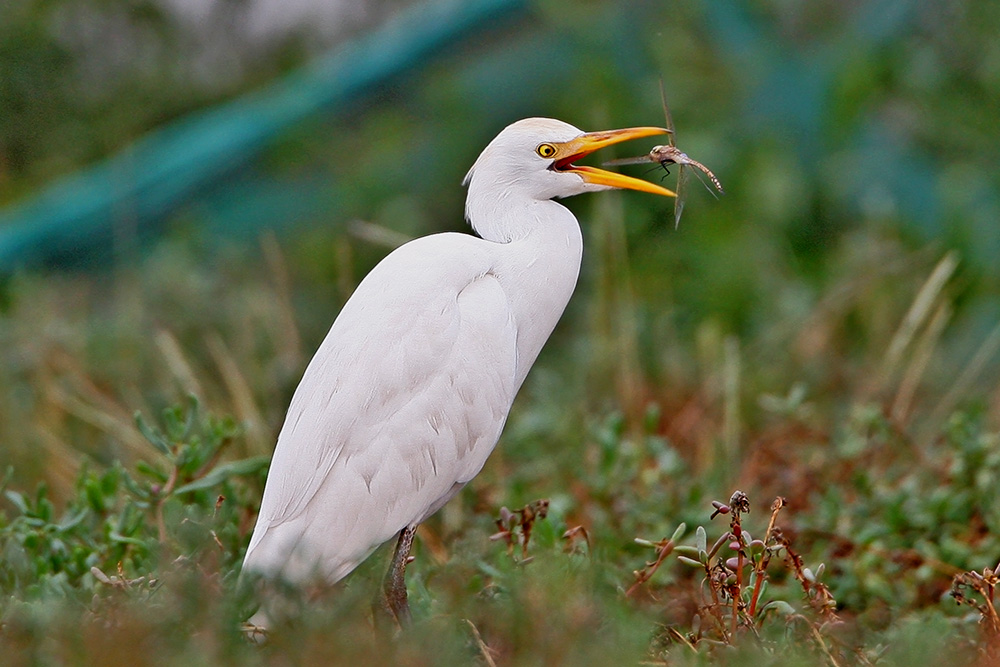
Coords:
756,594
739,587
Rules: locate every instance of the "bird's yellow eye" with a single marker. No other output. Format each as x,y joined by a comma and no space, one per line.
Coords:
546,150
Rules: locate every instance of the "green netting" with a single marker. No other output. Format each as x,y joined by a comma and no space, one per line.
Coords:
146,182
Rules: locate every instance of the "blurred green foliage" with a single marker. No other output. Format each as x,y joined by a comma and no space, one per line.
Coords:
827,331
81,79
117,521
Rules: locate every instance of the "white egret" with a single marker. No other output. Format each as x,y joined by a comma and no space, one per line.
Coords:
407,395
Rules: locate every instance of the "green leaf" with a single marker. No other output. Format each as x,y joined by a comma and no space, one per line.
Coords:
690,561
118,537
222,473
154,437
95,497
73,520
44,508
779,606
151,471
18,501
192,413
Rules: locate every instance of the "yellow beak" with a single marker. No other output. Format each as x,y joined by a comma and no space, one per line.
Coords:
586,144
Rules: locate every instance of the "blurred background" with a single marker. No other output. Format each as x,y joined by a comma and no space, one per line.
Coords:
190,189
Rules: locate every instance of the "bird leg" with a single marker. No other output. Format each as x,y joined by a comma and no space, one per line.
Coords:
394,586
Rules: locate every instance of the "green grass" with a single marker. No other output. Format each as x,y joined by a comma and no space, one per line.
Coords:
631,425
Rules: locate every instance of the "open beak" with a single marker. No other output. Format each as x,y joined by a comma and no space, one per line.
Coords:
570,151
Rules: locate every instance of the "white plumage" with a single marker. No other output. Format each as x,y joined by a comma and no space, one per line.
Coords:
407,395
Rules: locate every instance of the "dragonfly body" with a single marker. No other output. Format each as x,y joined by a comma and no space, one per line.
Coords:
672,155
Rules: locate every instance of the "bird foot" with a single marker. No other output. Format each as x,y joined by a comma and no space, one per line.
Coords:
392,602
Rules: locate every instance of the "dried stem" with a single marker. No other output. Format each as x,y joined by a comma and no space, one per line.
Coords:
642,576
484,650
761,567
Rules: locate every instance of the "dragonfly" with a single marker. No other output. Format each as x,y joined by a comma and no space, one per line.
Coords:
668,155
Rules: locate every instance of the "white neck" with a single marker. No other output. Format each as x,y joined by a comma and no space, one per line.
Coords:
540,248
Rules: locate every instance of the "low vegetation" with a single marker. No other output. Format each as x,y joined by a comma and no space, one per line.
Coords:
863,532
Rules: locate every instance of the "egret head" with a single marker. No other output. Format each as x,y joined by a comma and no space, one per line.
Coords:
535,157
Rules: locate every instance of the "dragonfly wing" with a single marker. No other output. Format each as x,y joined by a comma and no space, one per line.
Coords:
714,180
669,118
682,178
642,159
